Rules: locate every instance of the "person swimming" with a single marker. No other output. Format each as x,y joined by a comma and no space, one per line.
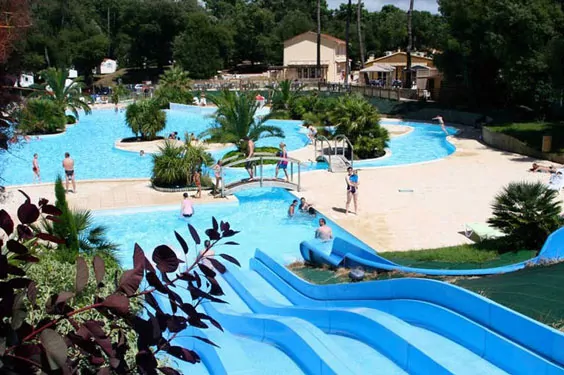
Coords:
186,208
324,232
292,208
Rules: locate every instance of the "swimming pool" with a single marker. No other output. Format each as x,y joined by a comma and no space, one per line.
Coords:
275,326
261,216
91,144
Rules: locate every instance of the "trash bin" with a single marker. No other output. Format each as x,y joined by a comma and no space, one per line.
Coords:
546,143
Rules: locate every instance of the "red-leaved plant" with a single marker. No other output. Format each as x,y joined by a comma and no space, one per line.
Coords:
29,349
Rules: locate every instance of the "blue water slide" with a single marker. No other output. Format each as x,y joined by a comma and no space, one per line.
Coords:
415,350
509,340
306,345
342,253
211,362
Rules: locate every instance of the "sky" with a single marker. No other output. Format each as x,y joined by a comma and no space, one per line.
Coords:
429,5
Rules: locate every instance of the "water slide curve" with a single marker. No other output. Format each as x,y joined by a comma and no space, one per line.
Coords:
277,323
342,253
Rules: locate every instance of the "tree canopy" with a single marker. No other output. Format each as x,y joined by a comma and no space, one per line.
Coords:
493,53
202,37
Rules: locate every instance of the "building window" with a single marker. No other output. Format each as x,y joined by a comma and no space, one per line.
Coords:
310,73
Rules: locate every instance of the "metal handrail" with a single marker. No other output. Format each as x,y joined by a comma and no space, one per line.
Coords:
344,139
322,139
261,157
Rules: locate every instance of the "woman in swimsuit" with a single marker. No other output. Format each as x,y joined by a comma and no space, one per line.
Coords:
282,164
352,190
217,173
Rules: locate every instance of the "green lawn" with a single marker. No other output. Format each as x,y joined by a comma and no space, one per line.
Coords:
536,292
490,253
531,133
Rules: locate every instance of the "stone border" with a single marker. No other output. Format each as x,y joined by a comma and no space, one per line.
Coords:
179,190
508,143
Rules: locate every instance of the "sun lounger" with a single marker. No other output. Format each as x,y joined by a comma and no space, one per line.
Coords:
478,232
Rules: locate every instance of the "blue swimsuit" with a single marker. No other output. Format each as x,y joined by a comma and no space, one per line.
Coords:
353,179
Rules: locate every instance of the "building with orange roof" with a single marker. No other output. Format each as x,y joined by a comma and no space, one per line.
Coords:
300,58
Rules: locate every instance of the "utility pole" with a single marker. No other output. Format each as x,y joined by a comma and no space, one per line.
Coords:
319,40
347,31
360,41
408,72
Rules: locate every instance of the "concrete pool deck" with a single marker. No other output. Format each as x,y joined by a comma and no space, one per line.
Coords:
109,194
447,193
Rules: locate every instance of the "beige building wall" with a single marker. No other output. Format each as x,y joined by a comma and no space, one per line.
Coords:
301,51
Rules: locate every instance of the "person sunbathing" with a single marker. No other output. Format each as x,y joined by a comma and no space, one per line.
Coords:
541,168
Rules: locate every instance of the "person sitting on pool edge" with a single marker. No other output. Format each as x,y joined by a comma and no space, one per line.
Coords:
324,232
292,208
186,208
304,206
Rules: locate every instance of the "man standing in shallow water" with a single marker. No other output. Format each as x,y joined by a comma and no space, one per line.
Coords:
68,165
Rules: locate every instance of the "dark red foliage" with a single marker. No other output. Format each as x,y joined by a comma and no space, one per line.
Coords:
41,348
165,259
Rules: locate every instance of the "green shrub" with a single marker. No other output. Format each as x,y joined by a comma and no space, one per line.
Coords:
359,120
52,276
367,147
41,116
175,165
70,119
527,212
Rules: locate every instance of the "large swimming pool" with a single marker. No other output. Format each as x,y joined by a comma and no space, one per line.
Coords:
261,216
91,144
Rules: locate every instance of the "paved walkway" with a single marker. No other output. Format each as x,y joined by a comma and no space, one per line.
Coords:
446,194
97,195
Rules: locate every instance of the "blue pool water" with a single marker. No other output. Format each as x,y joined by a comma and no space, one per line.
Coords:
91,144
261,216
263,324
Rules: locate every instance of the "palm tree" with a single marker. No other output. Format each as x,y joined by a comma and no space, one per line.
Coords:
354,117
174,87
527,212
78,229
55,88
176,78
284,95
235,119
145,118
408,72
118,92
